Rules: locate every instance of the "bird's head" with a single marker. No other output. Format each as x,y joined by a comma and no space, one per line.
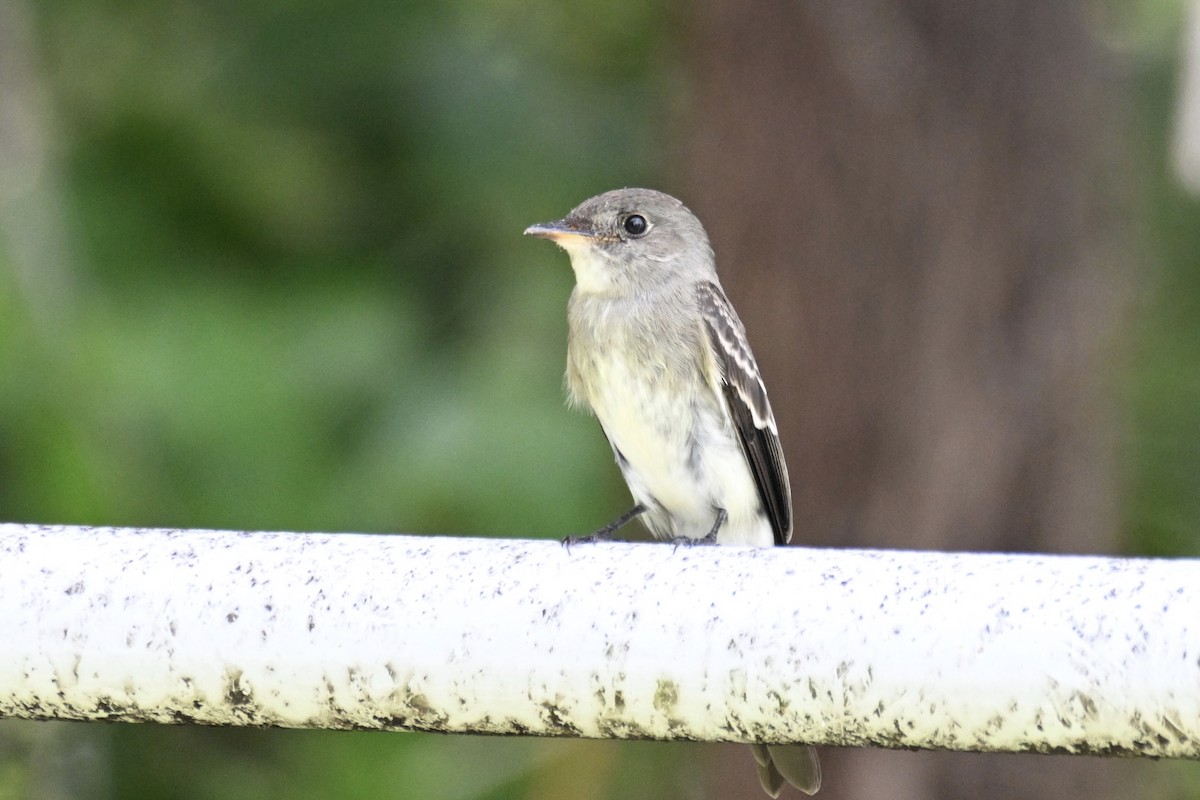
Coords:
631,240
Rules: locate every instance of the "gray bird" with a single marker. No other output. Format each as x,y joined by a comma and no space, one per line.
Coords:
657,353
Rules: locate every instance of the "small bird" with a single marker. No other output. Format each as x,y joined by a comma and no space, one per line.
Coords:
657,353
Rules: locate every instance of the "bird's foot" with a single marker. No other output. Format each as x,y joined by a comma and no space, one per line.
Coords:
711,538
602,535
686,541
605,534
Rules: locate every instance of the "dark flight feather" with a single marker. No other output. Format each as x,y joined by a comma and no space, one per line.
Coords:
746,399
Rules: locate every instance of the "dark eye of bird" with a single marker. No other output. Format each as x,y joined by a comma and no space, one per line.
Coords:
635,225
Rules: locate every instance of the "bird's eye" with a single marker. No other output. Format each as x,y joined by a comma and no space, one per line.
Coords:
635,225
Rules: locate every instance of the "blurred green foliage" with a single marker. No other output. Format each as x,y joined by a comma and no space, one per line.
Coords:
1162,451
301,298
275,279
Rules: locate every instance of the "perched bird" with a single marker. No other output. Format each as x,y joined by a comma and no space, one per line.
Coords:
657,353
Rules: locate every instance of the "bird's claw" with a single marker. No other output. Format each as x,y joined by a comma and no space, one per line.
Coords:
687,541
590,538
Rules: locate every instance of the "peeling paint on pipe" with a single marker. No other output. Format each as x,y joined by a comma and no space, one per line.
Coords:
959,651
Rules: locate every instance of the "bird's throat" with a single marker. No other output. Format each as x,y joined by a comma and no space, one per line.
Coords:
594,272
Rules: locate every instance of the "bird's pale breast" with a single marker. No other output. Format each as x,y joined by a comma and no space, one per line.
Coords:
677,449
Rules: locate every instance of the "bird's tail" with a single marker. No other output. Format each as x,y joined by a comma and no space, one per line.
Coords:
796,764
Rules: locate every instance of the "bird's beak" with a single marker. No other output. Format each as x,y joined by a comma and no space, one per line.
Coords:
564,233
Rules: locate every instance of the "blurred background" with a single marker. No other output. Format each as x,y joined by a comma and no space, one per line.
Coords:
261,267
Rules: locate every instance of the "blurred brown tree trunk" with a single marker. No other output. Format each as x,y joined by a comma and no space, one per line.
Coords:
913,206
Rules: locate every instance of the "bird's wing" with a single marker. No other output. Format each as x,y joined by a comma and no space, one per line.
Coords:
746,399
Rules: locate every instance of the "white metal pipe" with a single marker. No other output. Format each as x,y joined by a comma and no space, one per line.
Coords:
836,647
